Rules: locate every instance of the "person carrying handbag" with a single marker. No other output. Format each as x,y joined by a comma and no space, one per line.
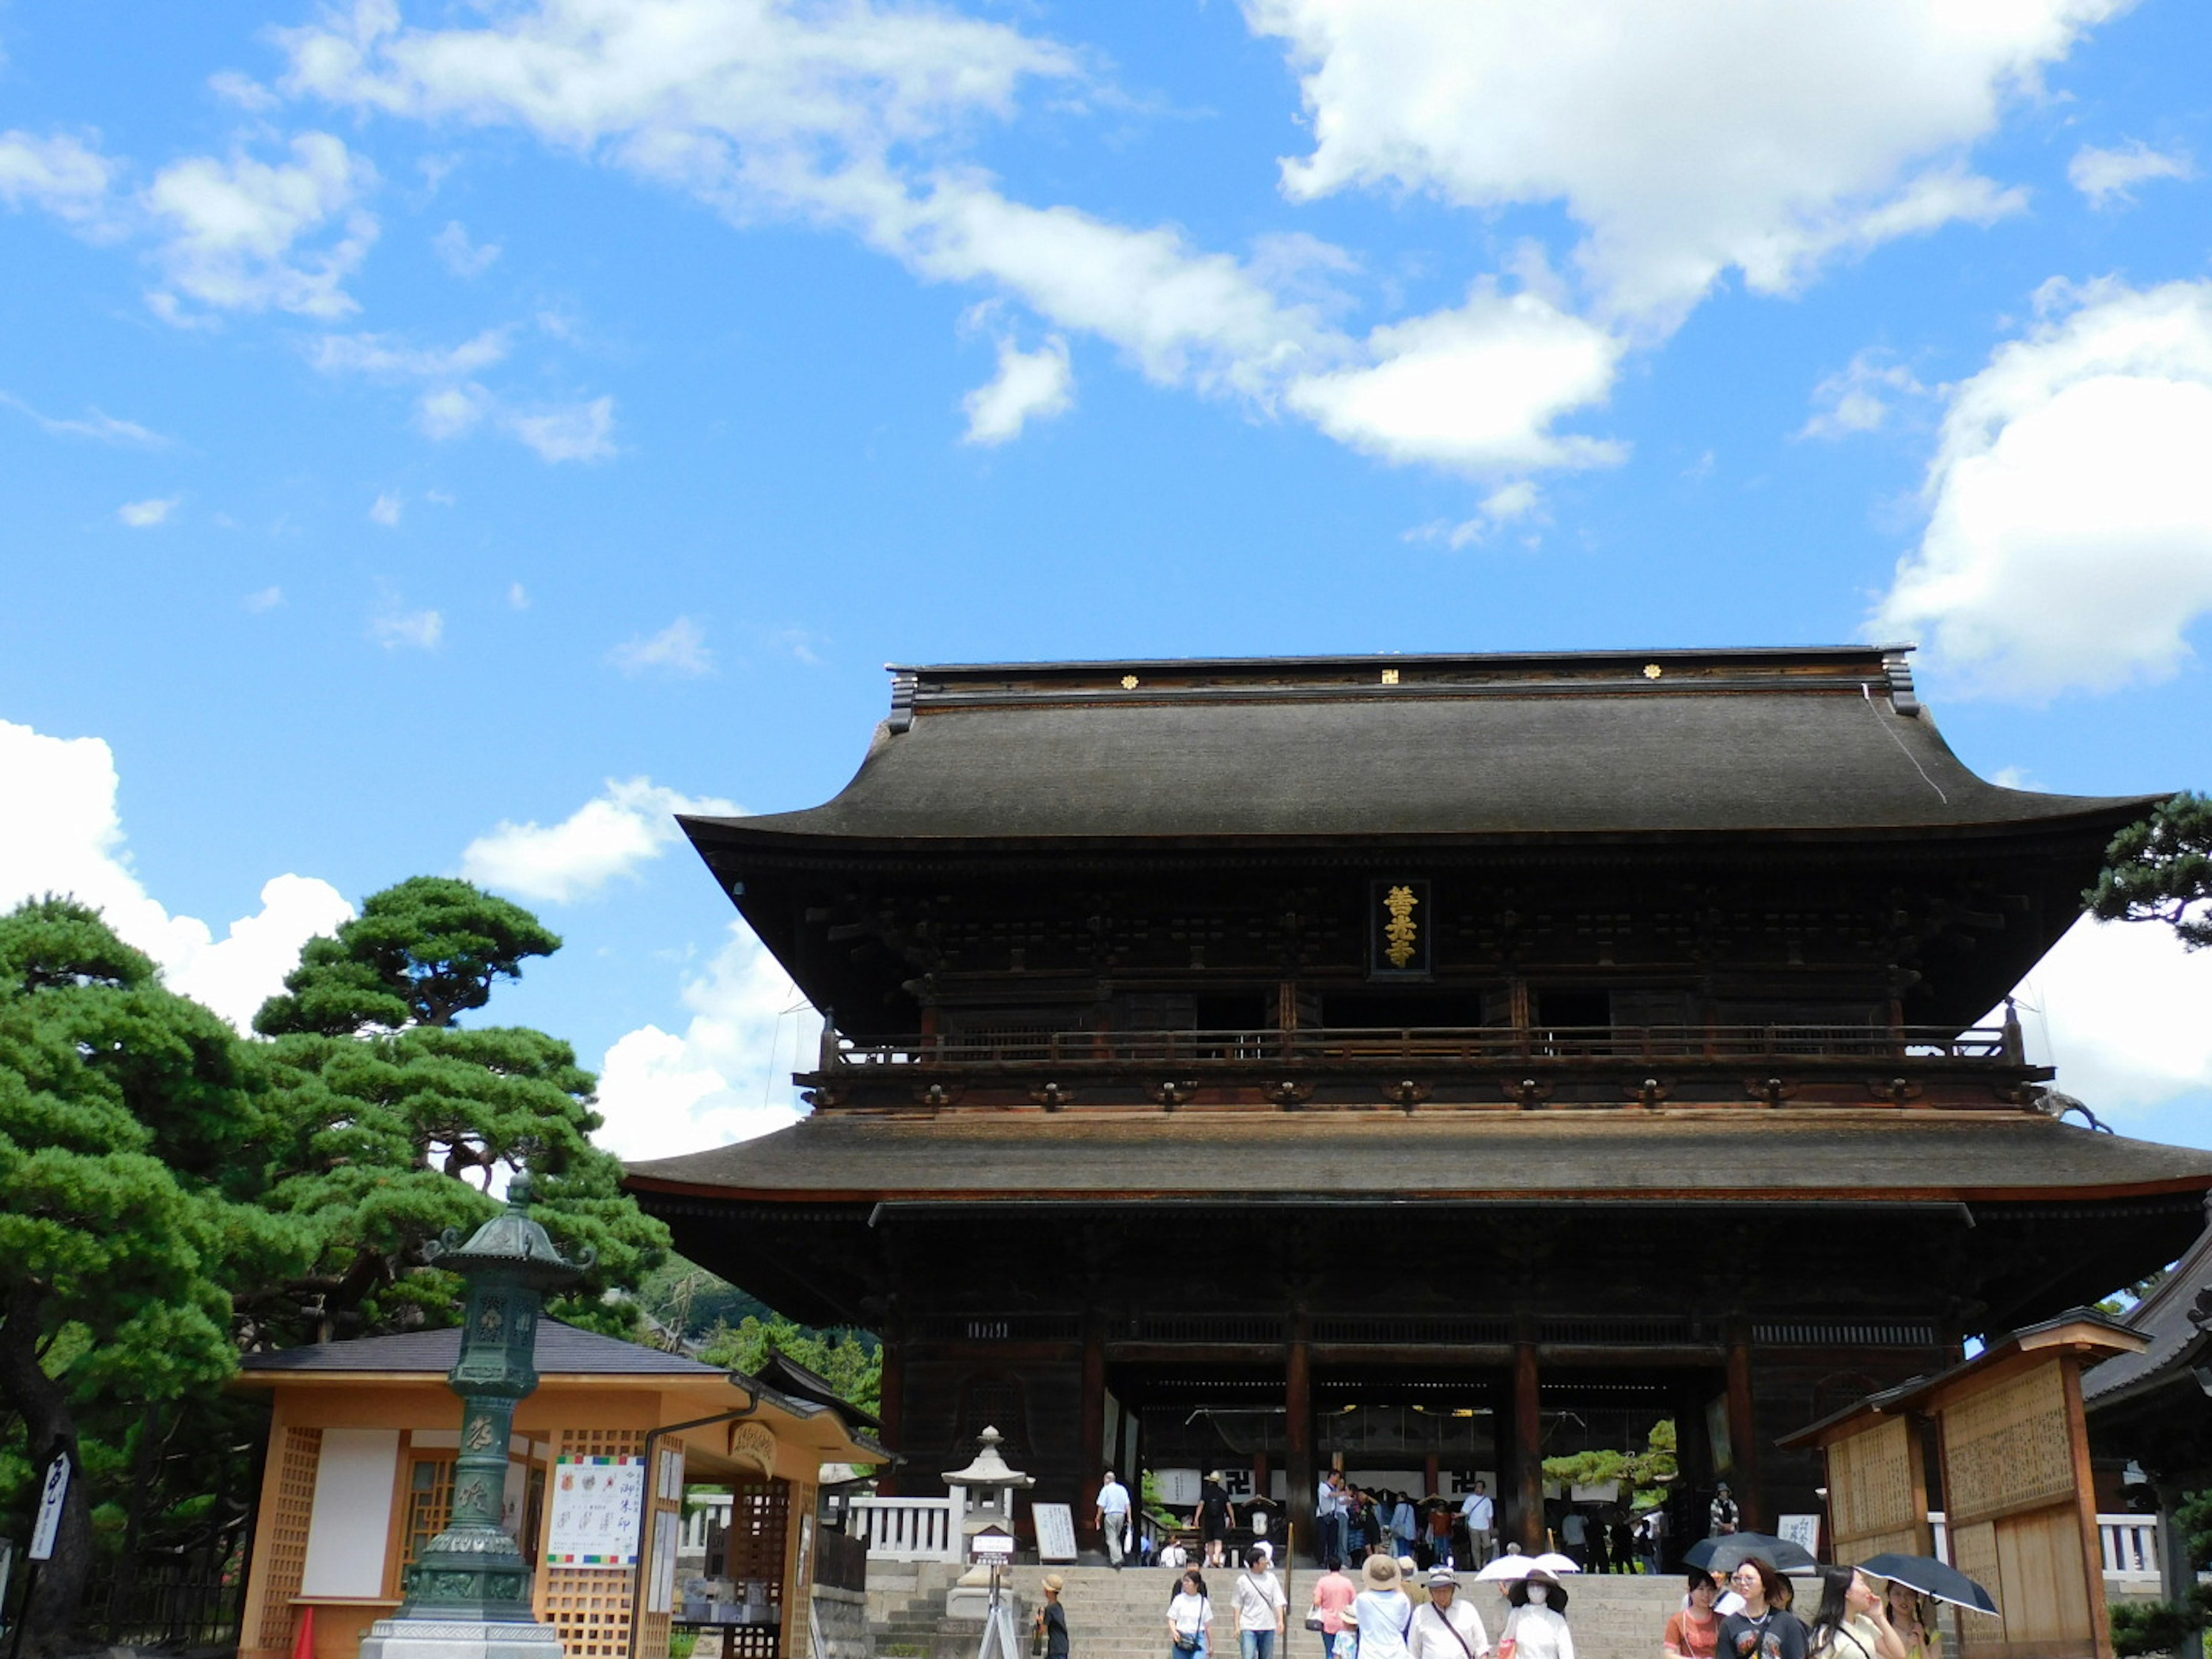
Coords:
1447,1628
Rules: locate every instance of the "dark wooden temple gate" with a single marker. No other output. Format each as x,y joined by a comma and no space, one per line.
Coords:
1501,1032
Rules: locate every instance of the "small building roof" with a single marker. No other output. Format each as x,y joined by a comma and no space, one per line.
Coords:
1605,743
1818,1153
561,1350
2174,1317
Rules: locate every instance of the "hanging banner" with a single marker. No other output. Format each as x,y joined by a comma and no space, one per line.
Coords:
597,1504
53,1494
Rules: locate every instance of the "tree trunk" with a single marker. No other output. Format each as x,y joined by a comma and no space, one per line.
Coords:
48,1425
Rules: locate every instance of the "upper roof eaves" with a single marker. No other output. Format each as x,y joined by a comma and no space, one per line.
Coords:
1812,739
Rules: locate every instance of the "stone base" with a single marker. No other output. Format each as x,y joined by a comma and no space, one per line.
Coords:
459,1638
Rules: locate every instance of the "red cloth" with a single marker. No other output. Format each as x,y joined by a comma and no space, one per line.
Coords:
303,1645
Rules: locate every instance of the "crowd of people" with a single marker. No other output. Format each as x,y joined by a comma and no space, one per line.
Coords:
1386,1608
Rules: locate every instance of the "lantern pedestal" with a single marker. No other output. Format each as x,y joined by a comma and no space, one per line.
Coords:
459,1638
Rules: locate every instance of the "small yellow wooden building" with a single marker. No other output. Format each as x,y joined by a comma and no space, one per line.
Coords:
362,1439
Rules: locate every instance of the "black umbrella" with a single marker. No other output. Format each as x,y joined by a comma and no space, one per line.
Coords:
1726,1552
1930,1577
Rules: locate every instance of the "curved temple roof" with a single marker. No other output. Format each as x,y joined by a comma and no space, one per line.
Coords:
1806,740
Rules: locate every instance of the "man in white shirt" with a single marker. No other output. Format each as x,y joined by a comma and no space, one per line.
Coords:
1446,1627
1111,1515
1481,1518
1328,1517
1261,1607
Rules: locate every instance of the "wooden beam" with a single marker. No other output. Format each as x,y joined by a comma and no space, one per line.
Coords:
1743,1429
1092,1420
1528,1451
1303,1477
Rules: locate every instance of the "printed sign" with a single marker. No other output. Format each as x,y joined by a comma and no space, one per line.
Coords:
1803,1530
53,1493
1055,1531
597,1504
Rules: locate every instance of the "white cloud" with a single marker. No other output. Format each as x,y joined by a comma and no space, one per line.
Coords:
387,357
385,509
2118,1008
459,255
1475,389
94,425
570,432
144,515
419,630
679,648
2069,534
630,822
65,176
854,118
1030,385
1858,398
518,597
727,1077
242,90
1686,136
453,410
2108,177
60,832
1518,502
232,229
266,599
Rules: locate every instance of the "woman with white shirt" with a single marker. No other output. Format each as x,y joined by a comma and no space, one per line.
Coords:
1448,1628
1190,1619
1381,1613
1537,1626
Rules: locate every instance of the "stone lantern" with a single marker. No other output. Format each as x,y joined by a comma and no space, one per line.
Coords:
468,1594
972,1597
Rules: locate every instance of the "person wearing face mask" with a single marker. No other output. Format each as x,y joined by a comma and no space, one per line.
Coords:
1537,1626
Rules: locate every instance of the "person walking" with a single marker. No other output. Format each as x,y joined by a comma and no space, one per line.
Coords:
1537,1626
1852,1622
1216,1515
1052,1618
1381,1613
1190,1617
1574,1536
1332,1592
1724,1517
1448,1628
1481,1514
1404,1528
1765,1628
1694,1630
1110,1515
1261,1606
1440,1517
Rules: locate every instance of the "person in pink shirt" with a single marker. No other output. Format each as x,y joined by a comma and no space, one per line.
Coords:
1333,1593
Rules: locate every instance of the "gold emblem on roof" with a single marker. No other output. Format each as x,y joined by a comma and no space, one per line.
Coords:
1128,682
1652,671
1402,929
1390,676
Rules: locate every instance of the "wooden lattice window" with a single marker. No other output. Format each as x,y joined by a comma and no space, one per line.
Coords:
283,1544
760,1523
429,1504
591,1606
994,1401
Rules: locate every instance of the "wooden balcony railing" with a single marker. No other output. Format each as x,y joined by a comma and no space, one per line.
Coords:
1475,1046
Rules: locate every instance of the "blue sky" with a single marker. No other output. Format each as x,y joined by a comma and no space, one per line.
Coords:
444,437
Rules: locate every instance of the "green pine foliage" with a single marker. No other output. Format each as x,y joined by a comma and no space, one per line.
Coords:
394,1119
1644,1475
131,1120
2160,870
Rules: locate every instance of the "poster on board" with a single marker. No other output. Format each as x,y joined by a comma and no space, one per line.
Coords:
1055,1531
597,1503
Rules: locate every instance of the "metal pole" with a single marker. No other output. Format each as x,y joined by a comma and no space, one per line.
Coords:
23,1612
644,1534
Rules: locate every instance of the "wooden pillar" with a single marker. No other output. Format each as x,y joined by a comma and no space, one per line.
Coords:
1528,1449
1743,1431
1091,1425
893,1408
1299,1426
1432,1472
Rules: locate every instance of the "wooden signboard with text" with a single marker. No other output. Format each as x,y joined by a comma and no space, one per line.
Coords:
2017,1490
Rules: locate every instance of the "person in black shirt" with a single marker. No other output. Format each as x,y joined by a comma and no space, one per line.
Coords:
1052,1618
1766,1629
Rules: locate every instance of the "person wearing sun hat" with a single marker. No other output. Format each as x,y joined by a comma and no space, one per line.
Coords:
1052,1618
1382,1612
1537,1626
1447,1627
